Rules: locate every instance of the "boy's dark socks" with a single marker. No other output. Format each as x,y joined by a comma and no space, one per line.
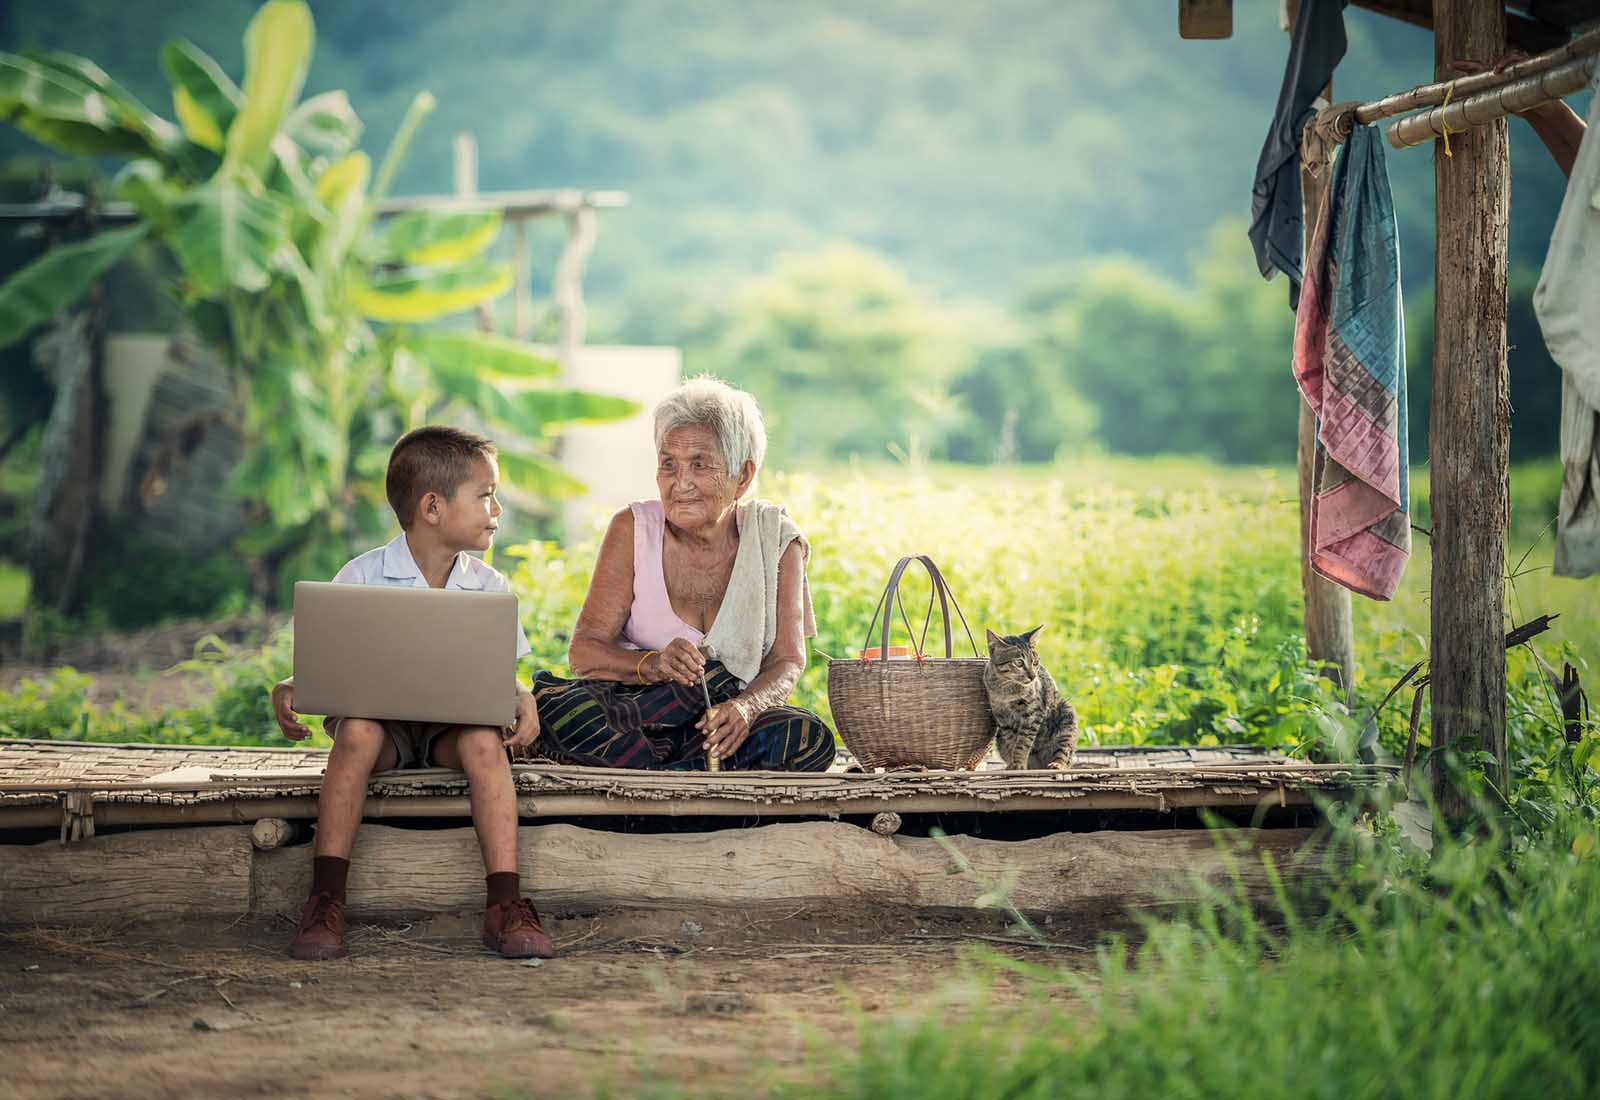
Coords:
504,886
328,875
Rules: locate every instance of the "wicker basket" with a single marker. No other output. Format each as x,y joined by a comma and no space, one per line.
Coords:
916,711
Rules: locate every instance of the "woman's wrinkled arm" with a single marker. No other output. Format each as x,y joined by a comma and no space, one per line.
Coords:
784,663
596,652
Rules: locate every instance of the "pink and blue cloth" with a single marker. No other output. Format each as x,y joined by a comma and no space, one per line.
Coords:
1349,360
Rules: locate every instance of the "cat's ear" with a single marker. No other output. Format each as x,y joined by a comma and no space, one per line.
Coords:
994,639
1028,637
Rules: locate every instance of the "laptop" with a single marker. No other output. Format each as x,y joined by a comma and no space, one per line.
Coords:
418,654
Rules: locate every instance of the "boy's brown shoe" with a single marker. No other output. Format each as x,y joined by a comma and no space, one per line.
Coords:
513,929
321,931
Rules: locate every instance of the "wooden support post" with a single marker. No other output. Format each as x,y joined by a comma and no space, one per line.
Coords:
1469,421
570,311
464,170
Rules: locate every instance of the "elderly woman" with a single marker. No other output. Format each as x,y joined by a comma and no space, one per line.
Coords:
693,593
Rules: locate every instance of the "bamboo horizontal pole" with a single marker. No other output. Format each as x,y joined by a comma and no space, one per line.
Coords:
244,811
1432,95
689,781
1460,115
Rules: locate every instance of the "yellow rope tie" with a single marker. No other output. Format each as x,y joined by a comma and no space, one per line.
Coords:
1444,125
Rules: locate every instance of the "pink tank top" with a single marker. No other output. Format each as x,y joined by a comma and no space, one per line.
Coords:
651,621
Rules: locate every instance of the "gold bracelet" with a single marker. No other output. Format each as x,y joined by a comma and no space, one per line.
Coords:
638,670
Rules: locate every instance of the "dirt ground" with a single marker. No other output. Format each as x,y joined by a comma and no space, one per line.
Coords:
709,1002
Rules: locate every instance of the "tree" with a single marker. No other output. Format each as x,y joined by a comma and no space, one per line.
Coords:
268,210
844,354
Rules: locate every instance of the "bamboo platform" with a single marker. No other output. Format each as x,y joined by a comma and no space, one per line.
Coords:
78,785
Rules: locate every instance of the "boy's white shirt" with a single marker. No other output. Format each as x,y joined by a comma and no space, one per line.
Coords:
393,565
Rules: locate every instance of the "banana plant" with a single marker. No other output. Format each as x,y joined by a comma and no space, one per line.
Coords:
327,315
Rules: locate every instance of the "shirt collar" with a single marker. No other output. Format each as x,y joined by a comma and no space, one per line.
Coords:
399,565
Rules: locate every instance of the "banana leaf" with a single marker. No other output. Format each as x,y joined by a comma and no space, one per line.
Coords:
431,237
204,98
457,351
145,185
58,279
536,474
325,123
404,298
55,106
342,189
227,234
539,408
277,47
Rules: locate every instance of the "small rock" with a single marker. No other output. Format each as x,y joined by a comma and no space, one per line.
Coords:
532,962
294,985
1049,920
216,1023
35,966
722,1003
692,929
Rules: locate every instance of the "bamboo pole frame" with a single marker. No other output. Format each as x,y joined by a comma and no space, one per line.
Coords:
1458,105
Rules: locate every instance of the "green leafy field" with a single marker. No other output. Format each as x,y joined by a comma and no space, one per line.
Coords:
1168,590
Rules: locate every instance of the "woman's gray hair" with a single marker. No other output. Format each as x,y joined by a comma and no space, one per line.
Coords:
732,415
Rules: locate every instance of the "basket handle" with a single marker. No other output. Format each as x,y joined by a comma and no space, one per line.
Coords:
891,598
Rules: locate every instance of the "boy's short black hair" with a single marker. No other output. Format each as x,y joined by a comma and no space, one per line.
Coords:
431,460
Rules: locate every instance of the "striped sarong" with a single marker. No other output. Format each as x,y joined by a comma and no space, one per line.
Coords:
605,724
1350,363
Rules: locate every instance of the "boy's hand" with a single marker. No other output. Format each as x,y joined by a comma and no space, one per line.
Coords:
283,711
526,731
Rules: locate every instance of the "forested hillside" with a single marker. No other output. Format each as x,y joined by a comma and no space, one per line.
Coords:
983,150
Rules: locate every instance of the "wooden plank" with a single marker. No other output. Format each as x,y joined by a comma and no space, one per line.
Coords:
1205,19
566,868
158,875
1470,420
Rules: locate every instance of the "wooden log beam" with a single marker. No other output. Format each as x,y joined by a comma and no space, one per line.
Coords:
1469,418
161,875
395,871
215,873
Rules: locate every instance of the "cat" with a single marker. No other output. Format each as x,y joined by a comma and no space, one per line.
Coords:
1034,726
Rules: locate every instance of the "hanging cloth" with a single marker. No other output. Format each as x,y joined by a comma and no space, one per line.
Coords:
1350,363
1276,230
1567,302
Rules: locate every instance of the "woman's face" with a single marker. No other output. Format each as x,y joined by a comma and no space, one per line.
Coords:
696,489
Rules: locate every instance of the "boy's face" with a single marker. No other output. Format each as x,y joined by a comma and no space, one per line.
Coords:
469,517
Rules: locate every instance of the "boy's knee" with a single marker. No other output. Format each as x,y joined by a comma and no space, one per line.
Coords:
359,734
481,746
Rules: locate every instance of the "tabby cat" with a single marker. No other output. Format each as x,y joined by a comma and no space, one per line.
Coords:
1034,726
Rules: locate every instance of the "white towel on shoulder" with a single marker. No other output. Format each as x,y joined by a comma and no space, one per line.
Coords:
747,621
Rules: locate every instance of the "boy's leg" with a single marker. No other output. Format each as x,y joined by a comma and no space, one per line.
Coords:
360,747
510,923
481,753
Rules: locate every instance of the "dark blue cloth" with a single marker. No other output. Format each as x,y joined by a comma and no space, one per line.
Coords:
1277,231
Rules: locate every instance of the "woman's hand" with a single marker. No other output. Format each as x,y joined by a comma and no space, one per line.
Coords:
680,662
726,726
526,730
283,711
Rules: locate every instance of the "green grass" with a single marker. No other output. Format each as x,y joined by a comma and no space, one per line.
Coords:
1475,977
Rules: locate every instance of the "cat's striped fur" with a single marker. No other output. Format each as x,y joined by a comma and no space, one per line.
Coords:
1035,727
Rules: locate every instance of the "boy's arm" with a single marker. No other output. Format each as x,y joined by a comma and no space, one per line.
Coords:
283,710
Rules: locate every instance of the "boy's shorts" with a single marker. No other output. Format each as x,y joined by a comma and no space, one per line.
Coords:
412,741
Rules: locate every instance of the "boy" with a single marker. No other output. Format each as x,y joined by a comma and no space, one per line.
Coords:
441,484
